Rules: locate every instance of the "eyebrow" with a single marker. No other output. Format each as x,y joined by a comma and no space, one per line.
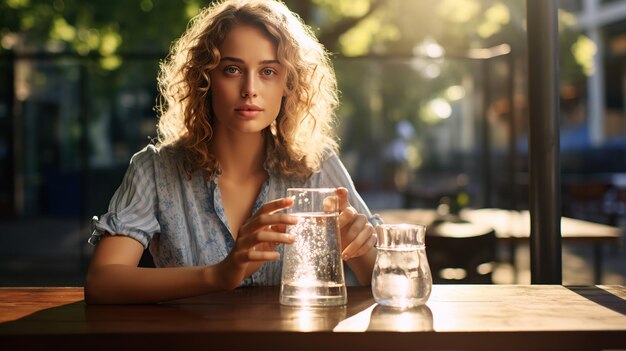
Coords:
238,60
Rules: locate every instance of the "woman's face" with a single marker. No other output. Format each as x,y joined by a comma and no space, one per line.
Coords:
248,84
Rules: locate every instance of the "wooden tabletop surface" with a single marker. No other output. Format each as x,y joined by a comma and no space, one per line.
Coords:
491,317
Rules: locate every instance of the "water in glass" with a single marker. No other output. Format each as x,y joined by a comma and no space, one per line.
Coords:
401,276
312,267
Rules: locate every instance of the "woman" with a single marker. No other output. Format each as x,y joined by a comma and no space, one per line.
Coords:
249,96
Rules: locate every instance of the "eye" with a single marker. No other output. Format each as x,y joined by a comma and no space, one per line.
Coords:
268,72
231,70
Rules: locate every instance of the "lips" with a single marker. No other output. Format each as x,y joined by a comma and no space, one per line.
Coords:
248,107
248,111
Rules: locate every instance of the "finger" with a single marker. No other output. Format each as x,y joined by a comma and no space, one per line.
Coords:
267,246
257,256
331,203
347,216
267,220
368,246
279,228
260,219
275,205
274,237
351,231
357,237
265,237
342,194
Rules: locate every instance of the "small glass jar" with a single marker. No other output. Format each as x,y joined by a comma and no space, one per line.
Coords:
401,276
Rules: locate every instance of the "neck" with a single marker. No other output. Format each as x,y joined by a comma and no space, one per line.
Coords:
239,155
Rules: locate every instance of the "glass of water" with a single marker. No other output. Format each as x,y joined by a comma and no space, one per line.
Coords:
401,276
312,272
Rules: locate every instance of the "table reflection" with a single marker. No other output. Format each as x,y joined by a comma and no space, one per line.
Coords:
401,320
310,318
382,318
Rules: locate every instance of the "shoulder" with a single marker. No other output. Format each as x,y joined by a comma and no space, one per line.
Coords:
144,155
154,164
332,163
151,156
331,173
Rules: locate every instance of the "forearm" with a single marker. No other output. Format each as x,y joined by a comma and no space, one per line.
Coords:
363,266
124,284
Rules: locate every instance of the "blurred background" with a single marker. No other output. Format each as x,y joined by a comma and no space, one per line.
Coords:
433,110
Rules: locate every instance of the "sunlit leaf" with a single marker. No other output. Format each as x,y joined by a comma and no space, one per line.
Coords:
345,8
459,11
61,30
566,17
414,158
455,92
91,37
110,63
192,9
146,5
16,4
109,42
498,13
82,48
359,40
488,28
27,22
584,50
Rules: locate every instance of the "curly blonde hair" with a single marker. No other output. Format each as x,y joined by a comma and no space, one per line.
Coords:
302,134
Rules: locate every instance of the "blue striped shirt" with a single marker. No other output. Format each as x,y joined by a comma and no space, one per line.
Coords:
182,220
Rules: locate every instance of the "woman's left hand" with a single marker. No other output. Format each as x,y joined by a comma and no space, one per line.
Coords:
357,234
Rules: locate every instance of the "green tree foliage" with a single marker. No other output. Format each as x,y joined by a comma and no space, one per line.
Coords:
103,27
347,27
112,29
412,53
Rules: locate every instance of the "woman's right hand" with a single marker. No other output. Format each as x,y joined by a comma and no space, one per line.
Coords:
255,243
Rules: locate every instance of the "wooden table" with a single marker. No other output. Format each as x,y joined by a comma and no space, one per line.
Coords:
513,227
486,317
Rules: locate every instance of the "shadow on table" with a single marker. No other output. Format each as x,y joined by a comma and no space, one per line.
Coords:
601,297
79,318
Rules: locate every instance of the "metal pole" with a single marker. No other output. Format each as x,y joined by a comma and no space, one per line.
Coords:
17,145
485,135
85,172
544,164
10,136
510,60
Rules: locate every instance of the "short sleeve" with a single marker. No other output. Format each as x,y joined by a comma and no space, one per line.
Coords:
334,174
132,209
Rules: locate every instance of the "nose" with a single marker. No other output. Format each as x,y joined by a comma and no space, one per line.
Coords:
248,89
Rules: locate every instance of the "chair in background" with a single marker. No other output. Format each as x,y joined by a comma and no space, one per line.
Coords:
461,252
